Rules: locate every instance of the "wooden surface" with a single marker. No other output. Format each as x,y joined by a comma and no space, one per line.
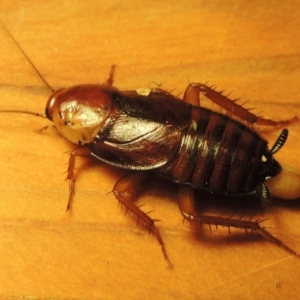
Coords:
249,47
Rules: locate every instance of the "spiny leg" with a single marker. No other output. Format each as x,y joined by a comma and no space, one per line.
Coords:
125,190
186,202
192,96
71,178
82,151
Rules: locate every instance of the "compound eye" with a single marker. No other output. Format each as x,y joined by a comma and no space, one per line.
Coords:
51,103
49,109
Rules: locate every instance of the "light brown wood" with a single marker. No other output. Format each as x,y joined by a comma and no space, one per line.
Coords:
249,47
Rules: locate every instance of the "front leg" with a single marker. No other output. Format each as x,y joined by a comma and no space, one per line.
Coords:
81,151
71,179
192,96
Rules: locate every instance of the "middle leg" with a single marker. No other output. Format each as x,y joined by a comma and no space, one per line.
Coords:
126,190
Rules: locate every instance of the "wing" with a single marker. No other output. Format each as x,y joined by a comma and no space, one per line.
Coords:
142,133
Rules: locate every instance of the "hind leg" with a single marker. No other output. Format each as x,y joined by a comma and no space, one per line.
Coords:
192,96
186,202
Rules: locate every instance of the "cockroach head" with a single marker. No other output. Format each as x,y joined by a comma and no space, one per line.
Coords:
79,112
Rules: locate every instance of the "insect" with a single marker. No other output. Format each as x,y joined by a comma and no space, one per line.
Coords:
175,139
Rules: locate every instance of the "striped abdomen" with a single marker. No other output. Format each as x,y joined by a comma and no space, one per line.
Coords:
219,154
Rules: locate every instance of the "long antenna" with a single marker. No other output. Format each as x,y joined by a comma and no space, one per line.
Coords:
23,112
28,59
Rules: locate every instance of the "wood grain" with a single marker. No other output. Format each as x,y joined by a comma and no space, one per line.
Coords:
250,48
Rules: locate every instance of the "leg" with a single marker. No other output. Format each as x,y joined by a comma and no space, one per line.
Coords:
71,178
125,191
82,151
110,79
186,202
192,96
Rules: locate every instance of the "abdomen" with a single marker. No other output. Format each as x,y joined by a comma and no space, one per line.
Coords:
217,153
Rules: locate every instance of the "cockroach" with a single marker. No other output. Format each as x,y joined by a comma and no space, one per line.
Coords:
176,139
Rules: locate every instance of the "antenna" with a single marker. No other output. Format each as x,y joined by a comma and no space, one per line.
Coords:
23,112
29,60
